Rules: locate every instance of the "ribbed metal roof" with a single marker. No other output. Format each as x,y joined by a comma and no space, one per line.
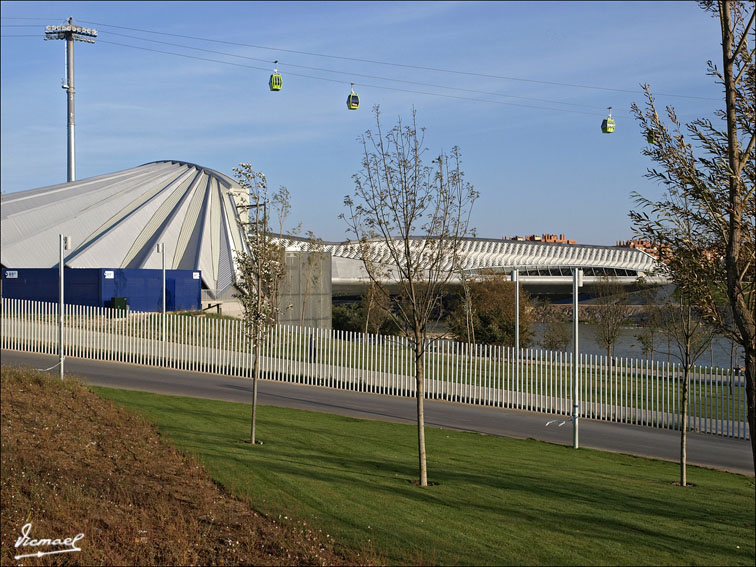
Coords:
115,221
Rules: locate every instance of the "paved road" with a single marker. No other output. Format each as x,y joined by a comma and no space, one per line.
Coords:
704,450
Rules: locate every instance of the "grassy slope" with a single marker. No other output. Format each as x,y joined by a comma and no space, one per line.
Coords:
498,501
74,463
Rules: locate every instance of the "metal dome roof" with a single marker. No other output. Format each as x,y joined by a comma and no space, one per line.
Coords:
115,221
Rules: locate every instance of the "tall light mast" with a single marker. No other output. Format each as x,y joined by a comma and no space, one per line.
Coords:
70,33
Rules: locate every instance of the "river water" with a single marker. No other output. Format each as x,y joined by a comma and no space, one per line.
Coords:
629,346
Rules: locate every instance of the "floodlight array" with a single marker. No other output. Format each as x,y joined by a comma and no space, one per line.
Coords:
78,33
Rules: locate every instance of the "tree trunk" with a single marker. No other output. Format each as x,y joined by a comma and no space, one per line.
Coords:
256,342
750,368
255,376
684,428
743,315
420,393
732,362
367,315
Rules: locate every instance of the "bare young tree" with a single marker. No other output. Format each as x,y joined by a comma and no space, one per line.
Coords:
690,336
375,308
398,198
315,247
260,265
707,218
649,329
610,312
467,305
487,308
375,305
649,321
557,331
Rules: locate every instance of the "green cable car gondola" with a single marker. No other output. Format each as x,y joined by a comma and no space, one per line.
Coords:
607,126
353,100
276,82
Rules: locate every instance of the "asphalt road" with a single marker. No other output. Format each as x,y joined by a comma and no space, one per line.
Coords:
703,450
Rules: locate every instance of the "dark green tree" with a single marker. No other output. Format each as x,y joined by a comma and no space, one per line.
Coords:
489,308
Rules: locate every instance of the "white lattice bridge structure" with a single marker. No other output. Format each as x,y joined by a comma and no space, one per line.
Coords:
539,263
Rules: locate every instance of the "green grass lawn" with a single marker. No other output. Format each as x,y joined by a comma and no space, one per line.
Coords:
498,500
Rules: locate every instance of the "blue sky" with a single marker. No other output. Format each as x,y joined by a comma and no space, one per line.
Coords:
535,153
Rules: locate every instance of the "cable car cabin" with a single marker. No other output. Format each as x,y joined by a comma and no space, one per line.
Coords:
353,101
276,82
607,126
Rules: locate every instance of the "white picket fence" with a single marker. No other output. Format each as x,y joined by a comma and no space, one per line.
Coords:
633,391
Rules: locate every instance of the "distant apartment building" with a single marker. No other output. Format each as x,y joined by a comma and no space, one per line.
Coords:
549,238
650,248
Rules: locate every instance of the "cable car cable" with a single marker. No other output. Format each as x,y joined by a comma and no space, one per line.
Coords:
340,72
343,82
418,67
41,19
354,74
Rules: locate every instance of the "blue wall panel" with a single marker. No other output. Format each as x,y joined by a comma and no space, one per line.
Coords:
98,287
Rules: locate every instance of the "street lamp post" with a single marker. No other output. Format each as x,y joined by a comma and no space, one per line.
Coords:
577,282
515,277
64,244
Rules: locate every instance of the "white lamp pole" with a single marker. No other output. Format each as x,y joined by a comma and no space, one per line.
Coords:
65,244
516,279
577,282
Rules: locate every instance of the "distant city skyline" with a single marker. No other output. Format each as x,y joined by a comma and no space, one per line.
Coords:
520,87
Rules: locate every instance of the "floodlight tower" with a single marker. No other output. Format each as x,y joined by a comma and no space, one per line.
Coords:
70,33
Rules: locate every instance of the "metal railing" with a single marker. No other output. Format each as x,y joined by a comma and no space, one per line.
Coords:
622,390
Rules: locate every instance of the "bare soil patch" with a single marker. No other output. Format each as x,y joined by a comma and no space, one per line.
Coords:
74,463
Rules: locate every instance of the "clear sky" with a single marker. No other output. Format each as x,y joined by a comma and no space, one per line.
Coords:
533,149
